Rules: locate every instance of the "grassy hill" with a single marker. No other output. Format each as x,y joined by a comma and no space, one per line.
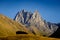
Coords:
27,37
9,27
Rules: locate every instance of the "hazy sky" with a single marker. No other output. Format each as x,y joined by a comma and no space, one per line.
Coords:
48,9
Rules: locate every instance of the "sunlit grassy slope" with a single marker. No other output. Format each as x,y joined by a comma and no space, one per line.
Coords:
9,27
27,37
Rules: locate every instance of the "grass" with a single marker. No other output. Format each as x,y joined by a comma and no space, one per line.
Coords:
27,37
8,28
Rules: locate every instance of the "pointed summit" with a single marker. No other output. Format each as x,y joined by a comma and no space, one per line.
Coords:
36,12
36,15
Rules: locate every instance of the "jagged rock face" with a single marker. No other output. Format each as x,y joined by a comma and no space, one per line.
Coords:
34,19
23,17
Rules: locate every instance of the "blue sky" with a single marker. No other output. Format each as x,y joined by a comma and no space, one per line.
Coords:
48,9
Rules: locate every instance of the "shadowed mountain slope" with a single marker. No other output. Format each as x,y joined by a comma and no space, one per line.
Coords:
56,34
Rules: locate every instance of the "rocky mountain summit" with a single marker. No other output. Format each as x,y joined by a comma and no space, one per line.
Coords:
35,23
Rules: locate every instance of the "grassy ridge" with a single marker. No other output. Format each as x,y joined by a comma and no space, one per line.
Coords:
9,27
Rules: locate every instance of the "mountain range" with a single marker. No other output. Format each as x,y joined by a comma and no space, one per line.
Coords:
28,26
35,23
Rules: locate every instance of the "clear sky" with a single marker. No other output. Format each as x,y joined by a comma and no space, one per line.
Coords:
48,9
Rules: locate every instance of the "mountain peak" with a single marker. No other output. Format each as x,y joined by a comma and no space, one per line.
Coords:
35,20
36,13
